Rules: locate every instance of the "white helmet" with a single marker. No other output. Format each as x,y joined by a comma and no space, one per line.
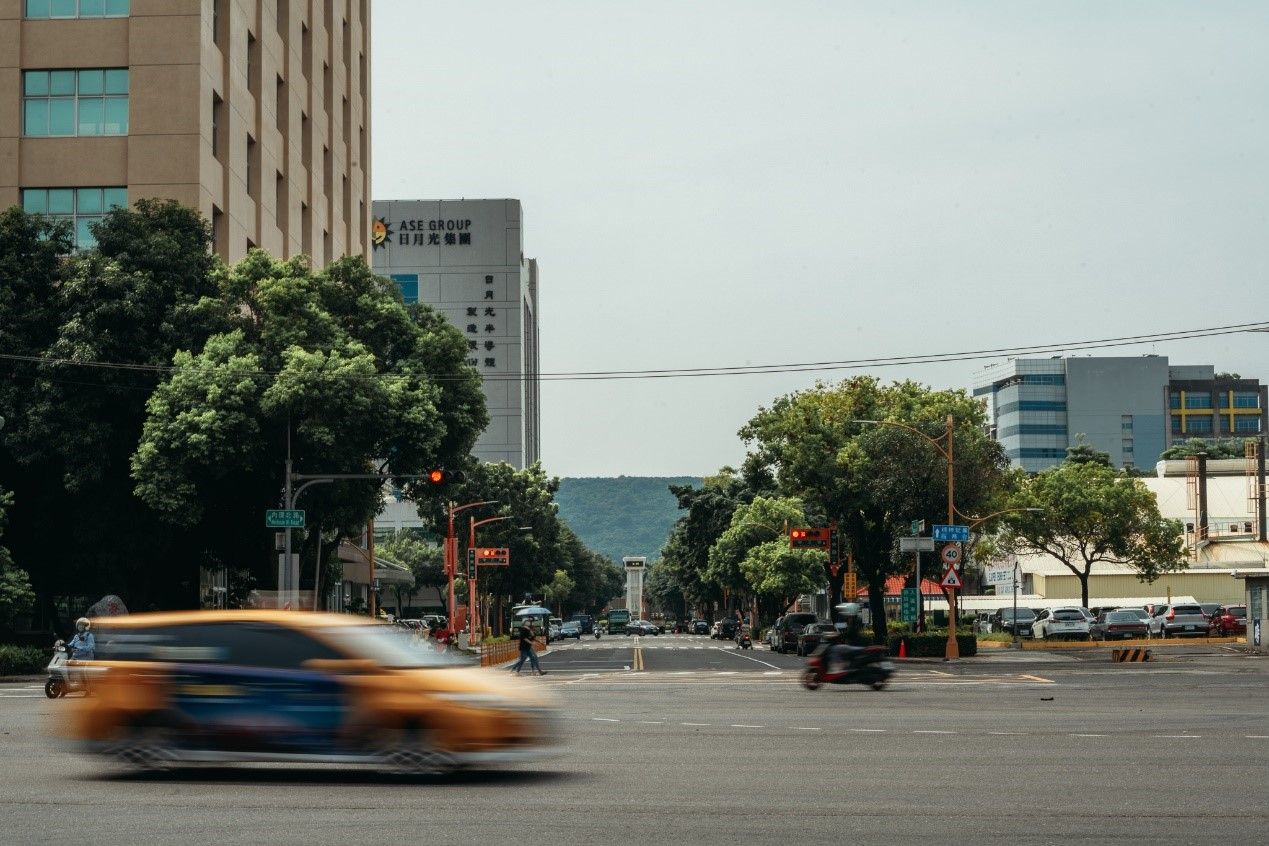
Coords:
848,609
83,624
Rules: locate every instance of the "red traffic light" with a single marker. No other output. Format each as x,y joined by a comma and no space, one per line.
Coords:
441,476
436,476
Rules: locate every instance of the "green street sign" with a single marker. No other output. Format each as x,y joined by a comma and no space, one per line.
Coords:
284,518
918,526
908,605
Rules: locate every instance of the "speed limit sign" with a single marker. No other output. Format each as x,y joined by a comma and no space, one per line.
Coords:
951,554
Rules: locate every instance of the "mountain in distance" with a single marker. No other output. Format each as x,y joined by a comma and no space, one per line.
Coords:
626,515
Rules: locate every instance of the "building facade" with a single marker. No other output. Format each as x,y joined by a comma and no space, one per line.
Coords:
254,112
465,258
1130,408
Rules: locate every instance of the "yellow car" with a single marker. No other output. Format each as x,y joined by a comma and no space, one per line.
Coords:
287,686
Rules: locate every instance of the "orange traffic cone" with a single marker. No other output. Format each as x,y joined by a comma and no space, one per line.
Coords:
903,649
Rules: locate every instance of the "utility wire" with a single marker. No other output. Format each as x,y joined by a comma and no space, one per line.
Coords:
695,372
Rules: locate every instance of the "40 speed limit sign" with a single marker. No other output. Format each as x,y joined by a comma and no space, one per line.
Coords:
950,554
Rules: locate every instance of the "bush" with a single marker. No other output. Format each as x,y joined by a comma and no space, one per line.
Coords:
22,660
933,644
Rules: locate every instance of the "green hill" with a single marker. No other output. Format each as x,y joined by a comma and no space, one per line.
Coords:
628,515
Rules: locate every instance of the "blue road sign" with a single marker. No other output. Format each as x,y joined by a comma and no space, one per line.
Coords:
950,533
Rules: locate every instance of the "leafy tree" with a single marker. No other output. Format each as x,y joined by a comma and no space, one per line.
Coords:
1215,449
558,590
426,561
16,596
875,479
1085,453
1086,514
662,591
753,554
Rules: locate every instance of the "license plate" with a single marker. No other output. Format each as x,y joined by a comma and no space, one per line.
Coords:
1189,628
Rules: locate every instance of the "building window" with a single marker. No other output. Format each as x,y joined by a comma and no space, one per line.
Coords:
1126,446
1196,425
1246,399
282,109
1246,423
1125,423
409,285
218,127
253,168
81,206
70,102
1176,424
1043,379
1174,401
1198,401
76,8
220,23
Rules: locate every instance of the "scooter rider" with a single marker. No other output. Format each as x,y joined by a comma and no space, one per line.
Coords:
850,639
83,646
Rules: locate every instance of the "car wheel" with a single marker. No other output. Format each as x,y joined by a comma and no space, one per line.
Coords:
412,752
811,680
146,748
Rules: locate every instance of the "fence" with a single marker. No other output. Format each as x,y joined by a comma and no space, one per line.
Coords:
493,654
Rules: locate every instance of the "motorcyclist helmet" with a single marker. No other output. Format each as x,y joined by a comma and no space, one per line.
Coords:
848,609
83,624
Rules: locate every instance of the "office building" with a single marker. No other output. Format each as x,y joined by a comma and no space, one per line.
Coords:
465,258
1131,408
254,112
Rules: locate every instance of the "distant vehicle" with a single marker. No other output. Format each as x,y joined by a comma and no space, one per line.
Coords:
573,628
1229,620
813,635
1209,608
726,629
618,619
1140,613
714,629
554,627
1111,625
773,633
586,621
788,629
1178,621
699,627
649,627
1067,623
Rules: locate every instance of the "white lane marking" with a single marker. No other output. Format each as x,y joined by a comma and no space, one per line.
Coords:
773,672
605,720
1007,733
726,673
681,673
1178,736
737,654
651,722
1256,736
743,726
1090,735
805,728
869,731
932,731
694,724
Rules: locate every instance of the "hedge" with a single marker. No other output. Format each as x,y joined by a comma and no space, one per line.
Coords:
22,660
932,645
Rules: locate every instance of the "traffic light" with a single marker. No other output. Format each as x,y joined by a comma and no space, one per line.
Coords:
808,538
493,556
438,476
471,564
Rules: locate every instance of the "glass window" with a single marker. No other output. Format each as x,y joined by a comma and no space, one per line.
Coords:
1199,424
409,285
66,102
83,207
1246,399
1176,424
1246,423
77,8
1174,400
1198,401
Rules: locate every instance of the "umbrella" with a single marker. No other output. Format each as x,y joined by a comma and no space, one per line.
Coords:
533,611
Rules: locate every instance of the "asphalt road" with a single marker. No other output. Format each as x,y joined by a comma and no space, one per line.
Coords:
707,744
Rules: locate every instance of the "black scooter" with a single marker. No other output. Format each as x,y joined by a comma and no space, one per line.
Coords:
744,641
869,665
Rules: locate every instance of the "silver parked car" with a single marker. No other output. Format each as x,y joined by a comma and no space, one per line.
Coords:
1068,623
1178,621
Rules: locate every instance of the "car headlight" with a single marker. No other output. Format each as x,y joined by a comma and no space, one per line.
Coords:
477,700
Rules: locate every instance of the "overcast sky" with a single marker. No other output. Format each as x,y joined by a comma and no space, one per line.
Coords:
713,184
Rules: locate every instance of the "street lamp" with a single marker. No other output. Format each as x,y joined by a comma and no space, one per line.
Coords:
471,584
952,651
451,548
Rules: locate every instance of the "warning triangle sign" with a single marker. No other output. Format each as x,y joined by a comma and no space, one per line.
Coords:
952,579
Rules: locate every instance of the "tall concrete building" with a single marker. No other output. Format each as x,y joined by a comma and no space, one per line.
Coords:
255,112
1130,408
466,259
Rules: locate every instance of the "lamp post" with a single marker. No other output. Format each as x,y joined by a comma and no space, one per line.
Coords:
471,585
952,651
451,549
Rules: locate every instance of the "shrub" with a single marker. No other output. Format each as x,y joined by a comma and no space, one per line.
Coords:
22,660
932,644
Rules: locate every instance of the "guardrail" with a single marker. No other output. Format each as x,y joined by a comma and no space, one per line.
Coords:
493,654
1130,656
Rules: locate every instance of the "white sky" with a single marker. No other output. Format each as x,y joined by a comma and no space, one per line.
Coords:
724,183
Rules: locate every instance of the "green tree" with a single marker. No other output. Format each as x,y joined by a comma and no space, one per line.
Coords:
753,556
1085,453
558,590
875,479
426,561
1215,449
16,596
1086,514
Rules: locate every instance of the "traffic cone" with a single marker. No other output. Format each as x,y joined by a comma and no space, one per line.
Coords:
903,649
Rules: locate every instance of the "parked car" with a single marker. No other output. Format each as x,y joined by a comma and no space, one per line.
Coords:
586,621
1140,613
1178,621
1229,620
573,629
1111,625
788,629
1068,623
714,629
1209,608
769,637
641,627
1005,621
699,627
553,628
813,635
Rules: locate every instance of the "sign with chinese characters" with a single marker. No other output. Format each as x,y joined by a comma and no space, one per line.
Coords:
417,232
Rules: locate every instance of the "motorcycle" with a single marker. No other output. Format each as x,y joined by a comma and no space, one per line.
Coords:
596,632
61,680
869,665
744,640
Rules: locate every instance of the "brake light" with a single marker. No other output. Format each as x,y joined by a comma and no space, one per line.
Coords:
1171,614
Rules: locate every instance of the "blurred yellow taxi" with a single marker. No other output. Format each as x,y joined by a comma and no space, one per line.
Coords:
286,686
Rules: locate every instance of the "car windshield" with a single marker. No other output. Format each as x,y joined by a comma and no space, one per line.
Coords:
1188,609
1238,611
1121,617
1068,615
383,645
1022,614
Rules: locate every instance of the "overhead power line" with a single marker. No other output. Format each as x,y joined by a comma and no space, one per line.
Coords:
736,370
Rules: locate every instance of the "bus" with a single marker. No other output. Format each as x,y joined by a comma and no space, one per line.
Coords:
617,620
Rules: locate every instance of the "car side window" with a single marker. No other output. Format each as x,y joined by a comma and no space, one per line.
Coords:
275,647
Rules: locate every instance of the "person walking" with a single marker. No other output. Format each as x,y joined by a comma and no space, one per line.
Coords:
525,636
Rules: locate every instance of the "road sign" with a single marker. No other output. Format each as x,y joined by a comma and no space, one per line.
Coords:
952,579
950,533
284,518
916,544
950,553
908,605
850,587
918,526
